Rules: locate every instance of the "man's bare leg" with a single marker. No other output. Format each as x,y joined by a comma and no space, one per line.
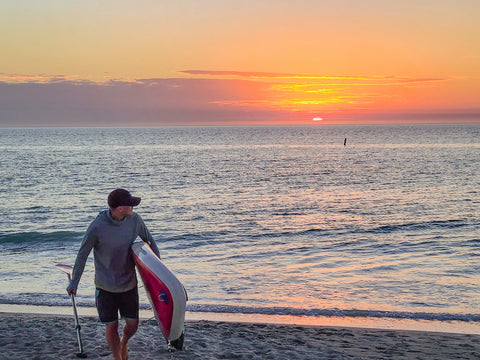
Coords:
130,328
113,340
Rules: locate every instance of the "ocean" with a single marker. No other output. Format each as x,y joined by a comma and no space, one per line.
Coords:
258,220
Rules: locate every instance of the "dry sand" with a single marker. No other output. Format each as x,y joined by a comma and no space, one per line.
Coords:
33,336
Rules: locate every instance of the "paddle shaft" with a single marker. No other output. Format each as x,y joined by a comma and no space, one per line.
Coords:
77,326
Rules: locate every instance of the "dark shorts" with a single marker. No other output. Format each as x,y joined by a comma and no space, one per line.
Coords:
109,304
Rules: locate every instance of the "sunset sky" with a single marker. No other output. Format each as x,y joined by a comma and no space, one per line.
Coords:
229,62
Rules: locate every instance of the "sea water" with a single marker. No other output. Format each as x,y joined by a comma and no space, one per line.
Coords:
258,220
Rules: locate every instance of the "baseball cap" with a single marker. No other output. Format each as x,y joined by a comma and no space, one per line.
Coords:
121,197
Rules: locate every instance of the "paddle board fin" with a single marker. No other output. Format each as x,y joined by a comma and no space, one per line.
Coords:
178,344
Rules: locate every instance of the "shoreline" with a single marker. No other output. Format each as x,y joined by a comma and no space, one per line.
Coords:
447,327
45,336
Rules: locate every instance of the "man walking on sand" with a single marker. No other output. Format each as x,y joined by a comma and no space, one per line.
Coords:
111,235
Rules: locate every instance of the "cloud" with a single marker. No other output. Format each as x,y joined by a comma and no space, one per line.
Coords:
380,80
247,74
38,79
140,102
205,97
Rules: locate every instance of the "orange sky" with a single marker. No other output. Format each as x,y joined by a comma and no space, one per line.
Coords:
235,62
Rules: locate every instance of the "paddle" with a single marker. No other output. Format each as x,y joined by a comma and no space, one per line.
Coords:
67,269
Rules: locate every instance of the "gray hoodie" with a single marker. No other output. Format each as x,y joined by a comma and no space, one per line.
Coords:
111,241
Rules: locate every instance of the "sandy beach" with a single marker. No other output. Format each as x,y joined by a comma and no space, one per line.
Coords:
35,336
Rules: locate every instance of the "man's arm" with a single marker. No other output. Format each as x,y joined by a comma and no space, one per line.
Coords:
85,248
147,237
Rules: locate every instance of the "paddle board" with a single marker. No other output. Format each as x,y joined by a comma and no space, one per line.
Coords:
165,293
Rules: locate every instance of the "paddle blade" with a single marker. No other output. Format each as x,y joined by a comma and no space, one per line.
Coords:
67,269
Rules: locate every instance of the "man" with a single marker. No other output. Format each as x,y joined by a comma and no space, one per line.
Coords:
111,235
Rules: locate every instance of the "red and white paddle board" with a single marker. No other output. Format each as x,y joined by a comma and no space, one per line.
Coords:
165,292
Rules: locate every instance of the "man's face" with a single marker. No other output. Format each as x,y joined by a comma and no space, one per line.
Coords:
125,210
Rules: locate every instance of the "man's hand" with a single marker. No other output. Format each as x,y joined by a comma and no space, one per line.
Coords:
71,291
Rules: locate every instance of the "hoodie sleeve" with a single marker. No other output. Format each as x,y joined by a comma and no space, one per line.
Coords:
85,248
147,237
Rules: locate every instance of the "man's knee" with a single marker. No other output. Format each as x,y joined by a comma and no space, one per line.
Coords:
111,327
131,325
